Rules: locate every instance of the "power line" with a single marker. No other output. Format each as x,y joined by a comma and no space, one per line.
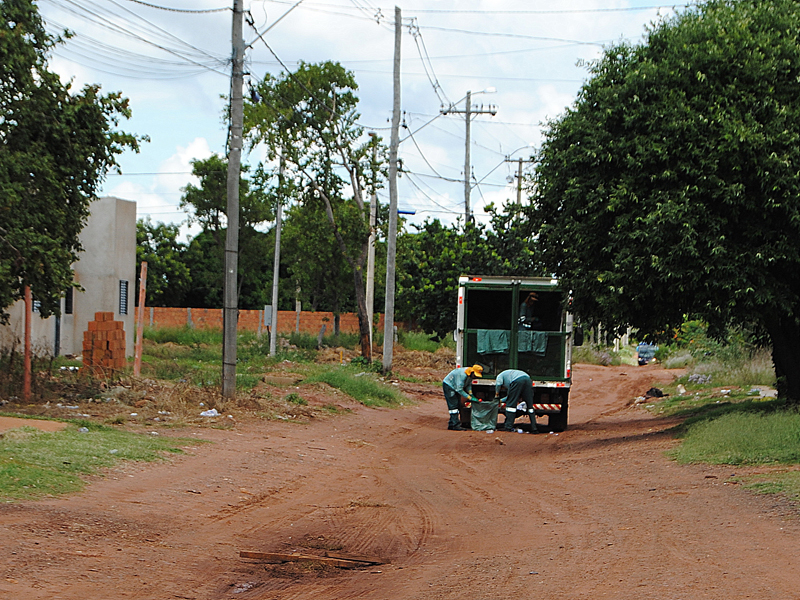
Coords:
551,12
101,17
519,12
426,62
182,10
513,35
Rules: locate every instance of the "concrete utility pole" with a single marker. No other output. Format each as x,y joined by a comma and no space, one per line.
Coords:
468,111
276,265
373,210
391,242
231,300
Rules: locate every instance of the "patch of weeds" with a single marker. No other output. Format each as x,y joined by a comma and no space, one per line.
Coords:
596,355
364,387
335,410
364,364
786,483
296,399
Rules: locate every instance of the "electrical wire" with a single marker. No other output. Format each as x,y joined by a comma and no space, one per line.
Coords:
101,17
427,65
182,10
430,166
513,35
421,191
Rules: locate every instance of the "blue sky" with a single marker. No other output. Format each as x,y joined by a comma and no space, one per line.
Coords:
174,67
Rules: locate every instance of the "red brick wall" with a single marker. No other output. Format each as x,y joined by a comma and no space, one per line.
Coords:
211,318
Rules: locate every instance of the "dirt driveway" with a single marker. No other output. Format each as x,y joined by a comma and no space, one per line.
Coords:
595,512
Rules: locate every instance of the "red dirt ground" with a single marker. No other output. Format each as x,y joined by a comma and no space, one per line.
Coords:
595,512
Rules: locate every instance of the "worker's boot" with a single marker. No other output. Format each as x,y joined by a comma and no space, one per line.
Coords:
509,422
455,421
534,428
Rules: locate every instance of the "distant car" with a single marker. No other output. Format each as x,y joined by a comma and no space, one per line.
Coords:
646,353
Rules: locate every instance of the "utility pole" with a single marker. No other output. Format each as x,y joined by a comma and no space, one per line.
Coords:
231,300
276,265
373,210
520,160
391,242
468,111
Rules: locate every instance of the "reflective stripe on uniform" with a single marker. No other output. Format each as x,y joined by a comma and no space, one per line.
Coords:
453,412
509,409
530,410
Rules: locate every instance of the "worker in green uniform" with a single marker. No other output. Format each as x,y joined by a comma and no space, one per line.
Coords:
456,385
520,389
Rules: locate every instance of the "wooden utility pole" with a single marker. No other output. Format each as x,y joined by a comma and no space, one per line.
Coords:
26,358
276,265
231,300
391,242
137,352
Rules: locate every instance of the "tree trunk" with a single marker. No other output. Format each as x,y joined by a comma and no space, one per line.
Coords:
784,331
363,318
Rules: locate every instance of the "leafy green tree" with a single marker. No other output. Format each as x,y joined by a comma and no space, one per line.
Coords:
314,260
168,277
430,261
671,187
309,117
205,260
56,146
206,206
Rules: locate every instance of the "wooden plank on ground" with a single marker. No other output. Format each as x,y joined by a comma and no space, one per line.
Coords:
277,557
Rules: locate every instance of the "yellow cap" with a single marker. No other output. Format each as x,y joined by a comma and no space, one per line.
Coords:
475,370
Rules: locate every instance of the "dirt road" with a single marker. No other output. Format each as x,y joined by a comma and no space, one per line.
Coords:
595,512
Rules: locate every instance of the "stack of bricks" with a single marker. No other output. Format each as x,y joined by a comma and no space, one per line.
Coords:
104,343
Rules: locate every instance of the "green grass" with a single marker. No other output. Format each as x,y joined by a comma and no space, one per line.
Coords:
786,483
748,433
183,336
364,387
34,464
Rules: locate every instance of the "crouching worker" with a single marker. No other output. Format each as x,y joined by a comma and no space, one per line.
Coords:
520,389
456,385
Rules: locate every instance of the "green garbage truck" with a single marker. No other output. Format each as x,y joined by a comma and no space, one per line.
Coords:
518,323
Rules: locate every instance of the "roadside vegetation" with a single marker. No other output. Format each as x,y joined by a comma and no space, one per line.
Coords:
730,414
36,464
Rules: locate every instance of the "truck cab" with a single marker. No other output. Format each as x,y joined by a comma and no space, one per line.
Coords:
518,323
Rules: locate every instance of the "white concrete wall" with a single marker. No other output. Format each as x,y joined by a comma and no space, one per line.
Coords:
109,255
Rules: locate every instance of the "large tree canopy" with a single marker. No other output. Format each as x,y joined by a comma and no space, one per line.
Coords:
55,148
672,186
207,206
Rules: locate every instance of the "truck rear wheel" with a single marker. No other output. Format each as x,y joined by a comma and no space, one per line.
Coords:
558,423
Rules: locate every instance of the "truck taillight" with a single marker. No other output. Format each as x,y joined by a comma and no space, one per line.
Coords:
569,373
